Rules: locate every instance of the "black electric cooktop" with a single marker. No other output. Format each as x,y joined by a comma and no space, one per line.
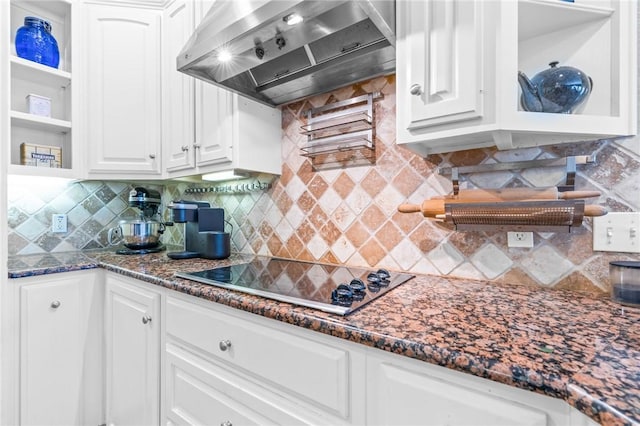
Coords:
330,288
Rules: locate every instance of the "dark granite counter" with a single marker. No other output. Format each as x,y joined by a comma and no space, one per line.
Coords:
566,345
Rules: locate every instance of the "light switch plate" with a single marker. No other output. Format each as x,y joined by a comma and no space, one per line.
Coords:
617,231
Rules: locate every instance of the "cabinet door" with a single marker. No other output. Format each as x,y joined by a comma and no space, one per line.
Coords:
132,353
408,392
60,375
214,124
214,115
178,123
123,90
439,76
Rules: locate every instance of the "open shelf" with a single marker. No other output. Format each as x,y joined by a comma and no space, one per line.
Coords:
577,35
31,78
33,71
539,17
37,122
21,170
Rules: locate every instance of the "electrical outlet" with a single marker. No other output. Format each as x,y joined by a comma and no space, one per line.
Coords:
617,231
520,239
59,222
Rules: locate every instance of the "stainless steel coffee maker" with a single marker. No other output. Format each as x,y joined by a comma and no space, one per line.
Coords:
204,234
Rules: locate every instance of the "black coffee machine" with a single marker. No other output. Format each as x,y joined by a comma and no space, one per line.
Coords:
204,234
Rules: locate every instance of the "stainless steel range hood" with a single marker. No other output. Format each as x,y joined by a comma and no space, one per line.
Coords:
337,43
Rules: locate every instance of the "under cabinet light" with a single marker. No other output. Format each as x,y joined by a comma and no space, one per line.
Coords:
226,175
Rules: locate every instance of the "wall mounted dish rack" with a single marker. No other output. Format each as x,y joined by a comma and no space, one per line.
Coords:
341,134
555,209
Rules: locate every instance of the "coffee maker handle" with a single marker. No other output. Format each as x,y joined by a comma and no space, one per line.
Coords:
117,231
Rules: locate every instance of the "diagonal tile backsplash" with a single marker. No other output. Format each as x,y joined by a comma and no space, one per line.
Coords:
350,215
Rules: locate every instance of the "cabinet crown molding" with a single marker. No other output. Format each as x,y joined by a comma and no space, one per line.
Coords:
151,4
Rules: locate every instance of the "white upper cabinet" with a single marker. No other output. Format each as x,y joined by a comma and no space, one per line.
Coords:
123,91
207,128
53,129
457,73
179,89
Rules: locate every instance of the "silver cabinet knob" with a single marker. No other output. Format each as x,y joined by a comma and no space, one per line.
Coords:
224,345
185,148
55,304
152,156
196,145
227,423
146,319
415,89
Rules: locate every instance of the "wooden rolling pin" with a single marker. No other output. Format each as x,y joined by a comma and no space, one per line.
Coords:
433,208
516,194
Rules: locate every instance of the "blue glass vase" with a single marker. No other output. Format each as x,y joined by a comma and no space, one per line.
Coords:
35,42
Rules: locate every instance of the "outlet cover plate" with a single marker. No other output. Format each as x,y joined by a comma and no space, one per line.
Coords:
617,231
520,239
59,222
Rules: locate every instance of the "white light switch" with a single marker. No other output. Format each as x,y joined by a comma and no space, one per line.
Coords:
618,231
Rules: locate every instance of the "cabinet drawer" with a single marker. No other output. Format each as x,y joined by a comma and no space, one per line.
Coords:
313,371
202,393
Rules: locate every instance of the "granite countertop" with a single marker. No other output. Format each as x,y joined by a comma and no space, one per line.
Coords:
567,345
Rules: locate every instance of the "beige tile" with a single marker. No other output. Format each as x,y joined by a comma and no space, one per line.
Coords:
491,261
357,234
546,265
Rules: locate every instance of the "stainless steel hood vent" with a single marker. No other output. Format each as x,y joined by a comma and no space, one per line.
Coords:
337,43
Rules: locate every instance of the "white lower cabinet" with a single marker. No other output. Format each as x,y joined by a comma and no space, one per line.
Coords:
244,369
404,391
60,374
132,327
170,358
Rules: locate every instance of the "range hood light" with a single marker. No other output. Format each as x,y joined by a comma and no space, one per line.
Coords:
292,19
222,176
224,55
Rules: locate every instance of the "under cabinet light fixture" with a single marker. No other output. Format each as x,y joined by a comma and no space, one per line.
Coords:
226,175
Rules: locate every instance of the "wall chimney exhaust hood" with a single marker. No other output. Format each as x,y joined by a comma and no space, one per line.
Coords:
279,51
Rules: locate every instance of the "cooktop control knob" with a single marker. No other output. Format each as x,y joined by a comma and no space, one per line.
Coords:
383,274
358,288
342,295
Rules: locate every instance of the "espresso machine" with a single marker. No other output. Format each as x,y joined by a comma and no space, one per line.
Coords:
204,234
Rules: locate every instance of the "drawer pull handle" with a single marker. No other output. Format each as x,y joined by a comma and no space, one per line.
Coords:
227,423
146,319
224,345
55,304
415,90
